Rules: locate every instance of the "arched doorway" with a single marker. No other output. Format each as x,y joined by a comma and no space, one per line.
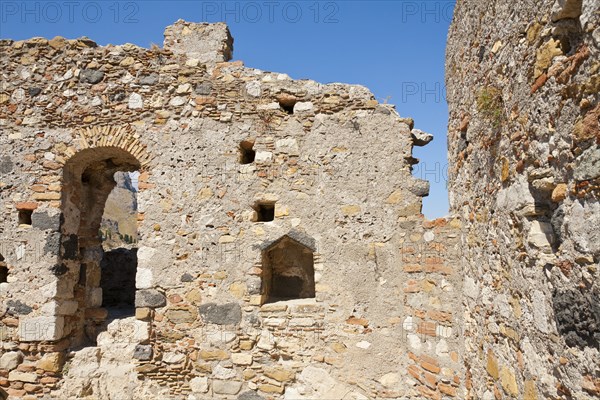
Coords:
88,179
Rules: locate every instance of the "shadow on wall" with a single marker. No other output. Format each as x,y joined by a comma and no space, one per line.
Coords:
118,282
577,314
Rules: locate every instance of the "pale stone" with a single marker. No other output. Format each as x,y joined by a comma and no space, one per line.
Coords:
143,278
199,384
226,387
390,380
428,236
318,379
219,372
177,101
363,344
241,358
266,341
135,101
263,156
22,376
541,236
441,349
303,106
253,88
11,360
35,329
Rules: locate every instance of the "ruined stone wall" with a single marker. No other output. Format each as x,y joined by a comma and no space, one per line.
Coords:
523,82
219,147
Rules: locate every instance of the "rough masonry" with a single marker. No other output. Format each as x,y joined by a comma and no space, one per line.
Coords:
523,89
281,250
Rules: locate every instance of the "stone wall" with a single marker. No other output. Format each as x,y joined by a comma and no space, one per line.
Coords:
523,82
216,144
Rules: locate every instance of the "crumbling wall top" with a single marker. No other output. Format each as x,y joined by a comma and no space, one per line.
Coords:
209,43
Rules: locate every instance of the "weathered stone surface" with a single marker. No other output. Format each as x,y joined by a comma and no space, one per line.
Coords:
11,360
225,314
151,298
91,76
420,138
199,384
280,374
22,376
41,328
530,213
52,362
241,358
181,316
143,352
250,396
587,165
226,387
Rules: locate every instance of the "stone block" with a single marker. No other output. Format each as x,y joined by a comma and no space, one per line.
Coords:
51,362
19,376
225,314
199,384
143,352
35,329
226,387
151,298
11,360
250,395
241,358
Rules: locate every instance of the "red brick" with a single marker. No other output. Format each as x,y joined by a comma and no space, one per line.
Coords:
440,316
415,372
430,360
430,367
447,389
26,206
412,268
438,268
430,394
430,380
48,380
427,328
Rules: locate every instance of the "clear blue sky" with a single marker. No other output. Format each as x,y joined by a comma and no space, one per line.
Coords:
395,48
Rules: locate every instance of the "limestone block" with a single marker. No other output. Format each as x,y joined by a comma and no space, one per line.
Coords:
241,358
94,297
11,360
34,329
303,106
541,236
263,157
22,376
199,384
226,387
